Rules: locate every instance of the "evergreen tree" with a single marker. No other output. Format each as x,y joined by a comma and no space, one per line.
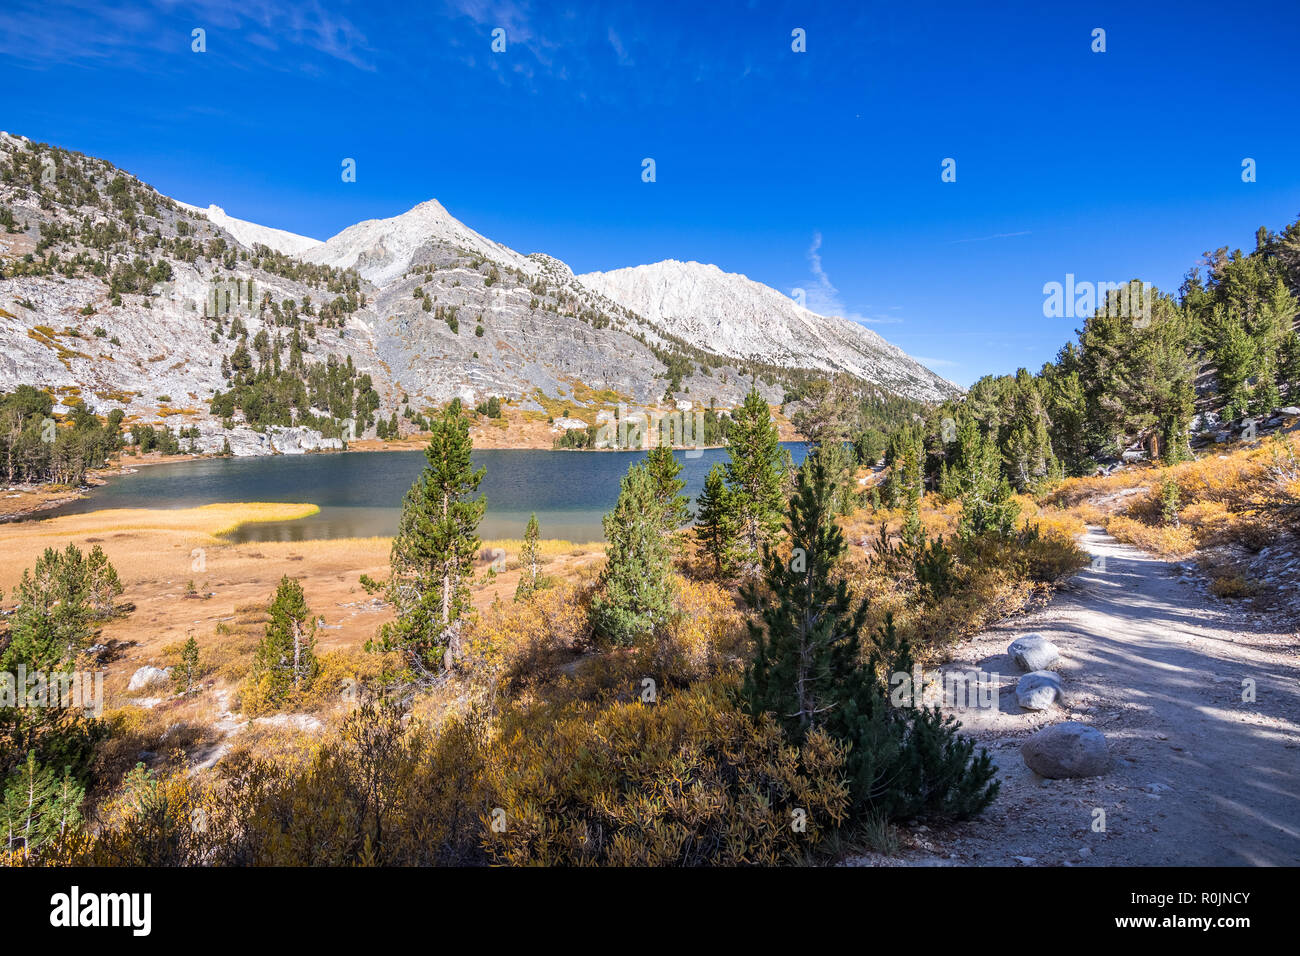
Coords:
53,621
987,499
755,476
636,588
1028,452
286,658
827,413
674,507
903,459
906,483
185,675
39,806
432,557
1065,406
715,524
806,662
528,563
839,460
103,584
1288,367
809,671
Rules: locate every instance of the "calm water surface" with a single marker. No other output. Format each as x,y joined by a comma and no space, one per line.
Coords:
360,493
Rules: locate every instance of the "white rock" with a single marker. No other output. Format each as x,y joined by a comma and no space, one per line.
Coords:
1038,690
147,676
303,722
1033,652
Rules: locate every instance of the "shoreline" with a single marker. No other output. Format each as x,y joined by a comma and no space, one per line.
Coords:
19,503
22,503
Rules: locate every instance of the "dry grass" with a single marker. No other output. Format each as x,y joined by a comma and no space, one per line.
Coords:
992,579
1169,541
183,579
1245,498
547,548
208,520
1234,585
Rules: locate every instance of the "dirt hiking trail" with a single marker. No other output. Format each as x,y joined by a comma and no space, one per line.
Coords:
1198,776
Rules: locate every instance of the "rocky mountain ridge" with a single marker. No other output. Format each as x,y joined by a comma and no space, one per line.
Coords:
113,295
733,315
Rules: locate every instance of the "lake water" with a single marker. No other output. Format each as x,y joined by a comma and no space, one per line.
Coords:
360,493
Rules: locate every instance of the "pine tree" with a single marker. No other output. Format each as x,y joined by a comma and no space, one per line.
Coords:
528,563
53,621
1028,451
827,411
988,504
103,583
1066,408
904,484
810,671
38,806
636,588
674,506
805,665
755,476
185,674
911,477
921,767
286,658
432,557
1288,367
716,525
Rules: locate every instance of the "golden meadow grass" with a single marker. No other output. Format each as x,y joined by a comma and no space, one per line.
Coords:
158,532
211,520
1241,496
546,547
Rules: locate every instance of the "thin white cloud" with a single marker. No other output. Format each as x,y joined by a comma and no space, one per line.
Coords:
824,299
517,19
64,31
996,235
624,59
936,362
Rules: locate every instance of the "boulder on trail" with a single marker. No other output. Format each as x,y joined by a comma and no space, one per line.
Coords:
1033,652
1038,690
1067,749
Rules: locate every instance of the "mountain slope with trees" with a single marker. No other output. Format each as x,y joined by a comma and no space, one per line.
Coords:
260,341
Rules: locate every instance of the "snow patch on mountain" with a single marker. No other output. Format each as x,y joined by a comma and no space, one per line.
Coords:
732,315
250,233
382,249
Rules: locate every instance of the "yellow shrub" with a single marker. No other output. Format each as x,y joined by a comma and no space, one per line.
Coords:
705,638
688,781
170,730
1165,540
525,643
1233,585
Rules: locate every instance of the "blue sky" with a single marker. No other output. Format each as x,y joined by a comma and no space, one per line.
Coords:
817,170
